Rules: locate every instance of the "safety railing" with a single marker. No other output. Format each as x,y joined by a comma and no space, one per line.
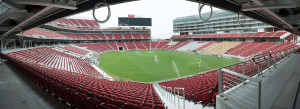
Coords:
231,77
249,97
174,94
260,62
169,95
177,91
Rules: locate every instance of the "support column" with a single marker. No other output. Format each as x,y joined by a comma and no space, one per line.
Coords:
275,60
268,63
15,46
244,67
2,45
259,70
293,38
24,43
150,44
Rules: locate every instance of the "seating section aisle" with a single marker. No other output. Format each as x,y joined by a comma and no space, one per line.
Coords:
209,47
122,44
204,87
51,58
100,47
257,49
191,46
252,48
140,45
80,90
74,49
204,46
79,24
176,45
97,47
48,34
131,45
242,49
245,48
161,44
221,47
232,35
258,34
154,44
86,25
196,85
242,45
95,36
40,33
278,34
281,47
113,45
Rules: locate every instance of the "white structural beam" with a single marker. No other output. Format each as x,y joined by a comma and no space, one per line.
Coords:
24,43
2,45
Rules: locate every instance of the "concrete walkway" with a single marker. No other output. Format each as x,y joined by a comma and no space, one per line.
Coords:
287,77
19,92
279,87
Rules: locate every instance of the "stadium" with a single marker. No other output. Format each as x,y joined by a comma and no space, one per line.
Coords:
243,56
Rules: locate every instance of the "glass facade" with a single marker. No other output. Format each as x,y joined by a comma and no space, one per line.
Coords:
220,22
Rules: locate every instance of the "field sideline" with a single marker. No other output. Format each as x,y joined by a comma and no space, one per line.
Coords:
156,65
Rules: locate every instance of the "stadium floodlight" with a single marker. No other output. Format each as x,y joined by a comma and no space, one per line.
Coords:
109,12
199,65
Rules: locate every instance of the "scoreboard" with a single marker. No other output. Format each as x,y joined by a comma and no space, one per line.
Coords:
129,21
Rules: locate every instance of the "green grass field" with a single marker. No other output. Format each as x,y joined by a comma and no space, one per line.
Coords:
143,67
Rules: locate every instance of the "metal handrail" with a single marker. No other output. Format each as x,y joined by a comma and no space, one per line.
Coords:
263,61
169,95
178,95
221,88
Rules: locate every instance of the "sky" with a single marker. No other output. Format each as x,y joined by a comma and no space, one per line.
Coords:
162,13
